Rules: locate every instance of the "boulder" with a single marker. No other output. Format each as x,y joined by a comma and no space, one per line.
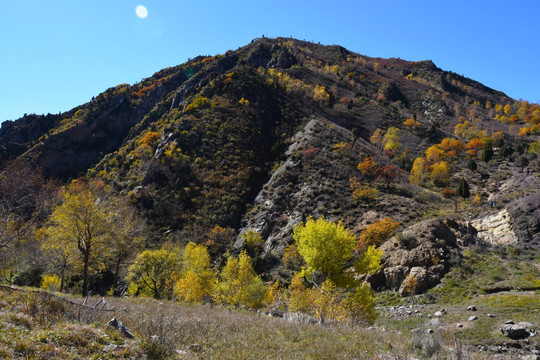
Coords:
298,317
419,257
117,324
517,331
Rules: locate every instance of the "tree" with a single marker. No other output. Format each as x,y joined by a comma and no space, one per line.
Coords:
471,165
25,198
60,254
239,284
253,242
463,189
411,124
392,139
218,240
376,138
376,233
197,277
127,236
487,153
439,173
434,154
369,261
368,167
362,192
153,271
474,145
81,220
360,304
324,245
291,258
418,171
389,174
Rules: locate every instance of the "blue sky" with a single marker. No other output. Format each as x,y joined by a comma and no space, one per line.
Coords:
57,54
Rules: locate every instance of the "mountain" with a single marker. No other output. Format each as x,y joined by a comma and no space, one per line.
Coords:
267,135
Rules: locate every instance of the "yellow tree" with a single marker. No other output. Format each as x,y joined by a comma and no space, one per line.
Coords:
411,124
239,284
439,173
434,154
324,245
81,221
197,277
377,138
60,253
153,271
392,139
418,171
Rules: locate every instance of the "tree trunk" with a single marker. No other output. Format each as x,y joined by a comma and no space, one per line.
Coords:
85,274
116,272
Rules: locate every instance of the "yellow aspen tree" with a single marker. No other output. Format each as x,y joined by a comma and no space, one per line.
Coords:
197,279
239,284
81,221
418,171
440,172
324,245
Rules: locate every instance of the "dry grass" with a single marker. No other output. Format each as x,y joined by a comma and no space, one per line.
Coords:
35,325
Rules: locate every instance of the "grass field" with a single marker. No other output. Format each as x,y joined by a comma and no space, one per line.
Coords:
38,325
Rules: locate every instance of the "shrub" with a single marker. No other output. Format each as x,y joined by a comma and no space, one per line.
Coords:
377,233
51,282
291,258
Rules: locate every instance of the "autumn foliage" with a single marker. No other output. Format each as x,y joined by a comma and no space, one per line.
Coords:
376,233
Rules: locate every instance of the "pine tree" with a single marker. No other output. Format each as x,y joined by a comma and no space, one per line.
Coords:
463,189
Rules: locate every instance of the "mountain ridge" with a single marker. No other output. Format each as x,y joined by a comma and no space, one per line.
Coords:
266,135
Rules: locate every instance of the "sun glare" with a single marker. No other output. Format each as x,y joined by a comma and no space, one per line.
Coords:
141,11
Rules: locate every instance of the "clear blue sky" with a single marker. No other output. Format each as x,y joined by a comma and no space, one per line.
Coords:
57,54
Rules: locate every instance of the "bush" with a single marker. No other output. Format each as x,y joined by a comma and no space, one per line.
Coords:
51,282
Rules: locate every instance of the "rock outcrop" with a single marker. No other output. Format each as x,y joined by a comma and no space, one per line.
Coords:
417,258
496,229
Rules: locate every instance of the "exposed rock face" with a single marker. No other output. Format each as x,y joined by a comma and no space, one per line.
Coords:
418,258
290,194
525,219
496,229
518,224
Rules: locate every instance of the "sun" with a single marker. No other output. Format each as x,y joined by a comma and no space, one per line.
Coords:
141,11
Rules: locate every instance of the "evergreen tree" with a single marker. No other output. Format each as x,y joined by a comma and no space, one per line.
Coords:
463,189
487,154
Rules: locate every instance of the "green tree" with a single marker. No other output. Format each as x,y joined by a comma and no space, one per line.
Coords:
81,220
463,189
440,172
487,154
153,271
324,245
472,165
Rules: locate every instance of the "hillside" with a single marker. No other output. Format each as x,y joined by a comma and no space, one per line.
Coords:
267,135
